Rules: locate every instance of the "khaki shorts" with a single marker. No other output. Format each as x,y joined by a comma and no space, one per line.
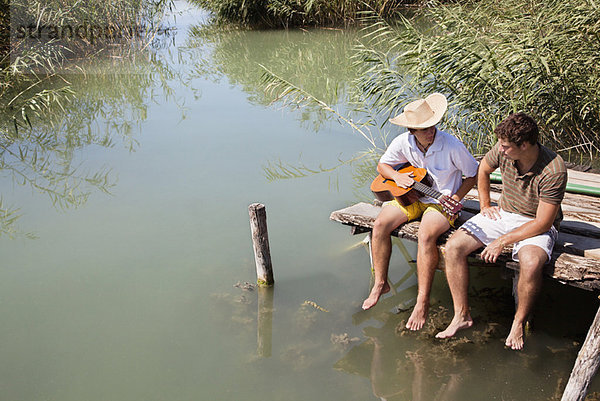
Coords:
486,230
418,209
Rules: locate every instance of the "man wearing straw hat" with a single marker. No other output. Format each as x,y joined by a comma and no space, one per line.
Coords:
534,179
447,161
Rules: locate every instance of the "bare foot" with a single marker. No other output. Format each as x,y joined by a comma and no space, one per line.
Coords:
457,323
515,337
417,317
377,291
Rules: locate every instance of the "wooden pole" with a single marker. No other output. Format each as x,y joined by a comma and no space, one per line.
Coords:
586,364
260,240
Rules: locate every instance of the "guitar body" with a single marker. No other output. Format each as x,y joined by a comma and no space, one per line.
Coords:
386,190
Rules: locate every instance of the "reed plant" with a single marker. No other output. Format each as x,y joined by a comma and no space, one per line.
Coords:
493,57
294,13
490,58
46,49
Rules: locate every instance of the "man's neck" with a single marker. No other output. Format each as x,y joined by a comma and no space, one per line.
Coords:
530,156
426,146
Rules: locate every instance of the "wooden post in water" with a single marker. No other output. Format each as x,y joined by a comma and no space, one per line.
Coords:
586,364
260,240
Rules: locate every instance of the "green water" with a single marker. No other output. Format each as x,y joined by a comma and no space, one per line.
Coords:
132,296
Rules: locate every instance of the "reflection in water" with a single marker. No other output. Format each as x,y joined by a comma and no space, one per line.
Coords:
109,104
318,61
406,365
400,377
264,322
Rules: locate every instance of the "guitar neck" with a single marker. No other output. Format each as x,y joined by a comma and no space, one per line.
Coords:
425,190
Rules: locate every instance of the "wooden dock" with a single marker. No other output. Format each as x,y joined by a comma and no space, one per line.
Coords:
576,257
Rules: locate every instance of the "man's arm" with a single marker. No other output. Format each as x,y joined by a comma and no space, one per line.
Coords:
403,180
544,218
465,187
483,190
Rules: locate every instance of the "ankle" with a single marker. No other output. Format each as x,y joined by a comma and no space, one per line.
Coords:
462,314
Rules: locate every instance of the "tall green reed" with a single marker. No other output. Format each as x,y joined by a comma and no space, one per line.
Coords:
492,58
294,13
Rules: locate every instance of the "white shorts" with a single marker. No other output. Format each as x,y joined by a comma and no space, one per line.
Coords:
486,230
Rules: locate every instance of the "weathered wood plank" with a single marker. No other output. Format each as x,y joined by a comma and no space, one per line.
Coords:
567,266
584,178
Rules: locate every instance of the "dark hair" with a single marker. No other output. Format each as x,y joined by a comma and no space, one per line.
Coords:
518,128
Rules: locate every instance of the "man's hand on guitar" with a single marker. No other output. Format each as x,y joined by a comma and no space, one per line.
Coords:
404,180
450,205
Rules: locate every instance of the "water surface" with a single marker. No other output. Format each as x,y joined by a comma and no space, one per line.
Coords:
132,295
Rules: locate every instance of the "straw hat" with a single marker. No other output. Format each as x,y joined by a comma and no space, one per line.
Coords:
422,113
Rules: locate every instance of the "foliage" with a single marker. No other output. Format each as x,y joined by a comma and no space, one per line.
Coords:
493,58
292,13
44,117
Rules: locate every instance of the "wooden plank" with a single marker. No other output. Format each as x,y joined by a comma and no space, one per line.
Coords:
567,266
364,214
584,178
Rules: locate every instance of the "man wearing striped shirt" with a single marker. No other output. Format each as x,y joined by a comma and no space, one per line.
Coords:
533,185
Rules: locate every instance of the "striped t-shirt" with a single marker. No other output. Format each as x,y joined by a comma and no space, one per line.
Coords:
521,193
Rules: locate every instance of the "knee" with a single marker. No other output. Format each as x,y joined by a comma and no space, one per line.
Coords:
531,267
427,238
382,227
454,249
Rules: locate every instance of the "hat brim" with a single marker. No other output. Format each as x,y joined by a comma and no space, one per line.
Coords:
439,105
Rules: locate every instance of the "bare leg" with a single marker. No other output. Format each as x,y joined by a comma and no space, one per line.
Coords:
458,247
531,262
433,224
381,248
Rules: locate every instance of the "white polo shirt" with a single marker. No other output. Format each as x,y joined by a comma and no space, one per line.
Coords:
447,160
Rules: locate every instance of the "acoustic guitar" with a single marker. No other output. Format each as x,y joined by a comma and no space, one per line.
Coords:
385,189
